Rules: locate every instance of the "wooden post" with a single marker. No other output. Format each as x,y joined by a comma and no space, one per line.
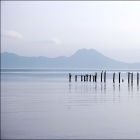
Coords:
75,77
105,76
137,78
69,77
128,77
132,77
114,77
132,81
84,78
96,77
119,77
93,78
81,78
101,75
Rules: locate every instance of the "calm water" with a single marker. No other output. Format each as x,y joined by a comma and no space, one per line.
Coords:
40,103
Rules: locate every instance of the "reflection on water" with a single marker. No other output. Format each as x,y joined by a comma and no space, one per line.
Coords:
128,86
132,86
105,88
93,93
49,108
101,87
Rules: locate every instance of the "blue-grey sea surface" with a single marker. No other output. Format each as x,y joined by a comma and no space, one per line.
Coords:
43,104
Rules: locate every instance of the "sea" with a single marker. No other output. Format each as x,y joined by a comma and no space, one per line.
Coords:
44,104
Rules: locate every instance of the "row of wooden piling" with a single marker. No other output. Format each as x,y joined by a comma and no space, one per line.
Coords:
132,77
85,77
94,77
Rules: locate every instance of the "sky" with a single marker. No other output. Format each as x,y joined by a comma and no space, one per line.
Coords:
60,28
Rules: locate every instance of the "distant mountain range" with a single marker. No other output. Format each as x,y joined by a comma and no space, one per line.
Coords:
83,58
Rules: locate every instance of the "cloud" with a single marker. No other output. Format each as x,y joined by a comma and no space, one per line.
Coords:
53,40
10,33
56,40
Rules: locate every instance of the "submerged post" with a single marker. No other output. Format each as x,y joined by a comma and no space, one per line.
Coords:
105,76
128,77
114,77
132,81
75,77
119,77
69,77
86,77
96,77
132,77
137,78
101,75
93,78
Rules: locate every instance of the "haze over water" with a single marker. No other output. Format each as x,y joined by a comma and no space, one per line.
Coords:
42,103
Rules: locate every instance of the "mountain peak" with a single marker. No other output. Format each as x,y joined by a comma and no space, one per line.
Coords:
84,49
87,53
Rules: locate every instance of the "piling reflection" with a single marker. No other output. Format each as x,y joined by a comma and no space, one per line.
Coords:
119,92
101,88
128,86
95,87
76,88
113,92
119,88
69,88
104,88
93,93
137,87
113,88
131,86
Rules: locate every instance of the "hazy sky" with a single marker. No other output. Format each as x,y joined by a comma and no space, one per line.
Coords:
54,28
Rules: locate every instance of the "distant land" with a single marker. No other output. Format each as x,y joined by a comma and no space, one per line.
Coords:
83,58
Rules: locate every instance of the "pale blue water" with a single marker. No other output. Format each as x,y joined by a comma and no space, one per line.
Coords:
42,103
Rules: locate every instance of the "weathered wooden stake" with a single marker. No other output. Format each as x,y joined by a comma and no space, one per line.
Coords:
101,75
137,78
96,77
128,77
75,77
114,77
87,77
132,77
84,78
93,78
105,76
119,77
132,81
69,77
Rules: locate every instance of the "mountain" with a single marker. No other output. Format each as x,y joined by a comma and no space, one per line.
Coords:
81,59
